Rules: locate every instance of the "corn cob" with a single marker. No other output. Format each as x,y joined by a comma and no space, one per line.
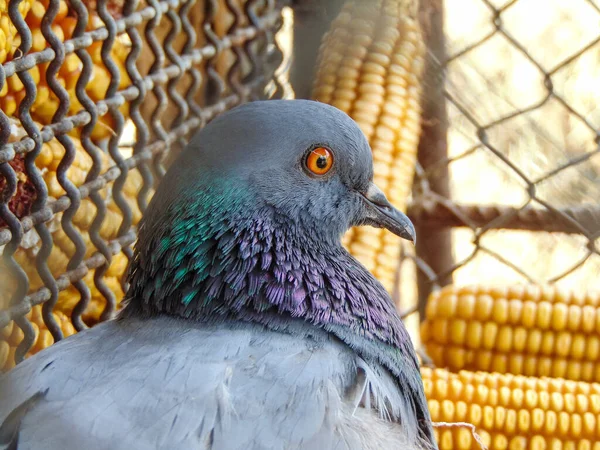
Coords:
63,249
370,65
513,412
523,329
46,103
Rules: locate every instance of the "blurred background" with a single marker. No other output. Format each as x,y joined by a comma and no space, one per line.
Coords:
522,92
531,86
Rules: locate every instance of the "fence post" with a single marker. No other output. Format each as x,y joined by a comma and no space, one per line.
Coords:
434,246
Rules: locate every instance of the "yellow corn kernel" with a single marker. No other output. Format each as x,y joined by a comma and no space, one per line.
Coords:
523,329
42,338
512,411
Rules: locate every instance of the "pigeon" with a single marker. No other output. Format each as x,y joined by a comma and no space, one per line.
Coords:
246,324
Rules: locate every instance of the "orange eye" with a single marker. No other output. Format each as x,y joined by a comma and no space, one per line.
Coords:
319,161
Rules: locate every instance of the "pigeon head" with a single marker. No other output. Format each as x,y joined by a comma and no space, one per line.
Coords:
249,218
307,161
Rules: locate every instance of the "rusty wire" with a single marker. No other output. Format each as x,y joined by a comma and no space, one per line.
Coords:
248,42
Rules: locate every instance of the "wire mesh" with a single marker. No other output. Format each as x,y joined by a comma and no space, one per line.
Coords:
523,145
94,95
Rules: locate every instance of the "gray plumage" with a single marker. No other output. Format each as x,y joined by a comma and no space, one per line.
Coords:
211,387
247,325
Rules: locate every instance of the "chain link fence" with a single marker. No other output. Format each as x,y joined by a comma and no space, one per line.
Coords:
508,186
93,96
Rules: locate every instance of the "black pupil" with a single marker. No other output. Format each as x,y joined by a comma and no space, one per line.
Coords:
322,162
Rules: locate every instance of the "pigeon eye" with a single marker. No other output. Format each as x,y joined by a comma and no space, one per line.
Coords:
319,161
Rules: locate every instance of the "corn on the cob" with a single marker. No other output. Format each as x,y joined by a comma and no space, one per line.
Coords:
513,412
46,103
63,249
523,329
370,65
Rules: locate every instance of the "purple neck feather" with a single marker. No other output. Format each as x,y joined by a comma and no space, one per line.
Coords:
200,263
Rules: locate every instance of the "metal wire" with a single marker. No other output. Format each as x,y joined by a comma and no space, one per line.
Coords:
537,213
188,44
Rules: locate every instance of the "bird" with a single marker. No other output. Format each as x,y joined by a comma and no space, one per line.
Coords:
246,323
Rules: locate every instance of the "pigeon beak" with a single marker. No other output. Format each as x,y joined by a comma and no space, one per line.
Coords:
380,213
